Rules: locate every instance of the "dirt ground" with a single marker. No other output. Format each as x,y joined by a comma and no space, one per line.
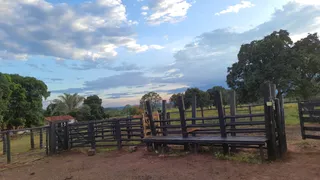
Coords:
302,162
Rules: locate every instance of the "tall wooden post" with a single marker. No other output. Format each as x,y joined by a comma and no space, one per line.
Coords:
47,140
91,135
250,112
183,120
31,139
118,134
8,147
164,118
52,138
40,138
222,122
283,122
150,116
232,102
280,130
194,111
4,143
269,126
66,136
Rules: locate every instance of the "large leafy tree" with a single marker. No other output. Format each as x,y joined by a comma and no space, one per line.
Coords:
224,92
5,93
21,100
153,97
174,99
307,54
203,98
95,104
268,59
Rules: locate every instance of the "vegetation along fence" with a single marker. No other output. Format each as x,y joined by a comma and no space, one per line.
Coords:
309,114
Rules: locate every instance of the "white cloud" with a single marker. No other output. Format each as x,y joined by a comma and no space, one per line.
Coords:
308,2
156,47
144,13
204,61
88,31
170,11
236,8
144,8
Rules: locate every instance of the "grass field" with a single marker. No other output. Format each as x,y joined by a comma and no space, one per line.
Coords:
290,112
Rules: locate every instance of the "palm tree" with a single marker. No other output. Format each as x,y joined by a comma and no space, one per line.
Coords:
67,103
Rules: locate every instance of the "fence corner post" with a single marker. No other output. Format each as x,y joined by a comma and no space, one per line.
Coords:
118,134
8,147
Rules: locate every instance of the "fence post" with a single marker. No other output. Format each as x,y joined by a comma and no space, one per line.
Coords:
280,130
168,117
66,136
150,116
8,147
52,138
118,134
222,122
91,135
4,143
303,133
41,138
183,120
269,126
164,118
283,122
47,140
31,139
194,111
232,102
250,112
141,127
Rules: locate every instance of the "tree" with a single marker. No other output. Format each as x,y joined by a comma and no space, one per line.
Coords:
224,93
67,103
203,98
153,97
263,60
5,93
131,110
95,104
307,54
83,113
174,99
24,104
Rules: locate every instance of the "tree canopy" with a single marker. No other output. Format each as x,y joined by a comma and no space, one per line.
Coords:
224,93
153,97
21,100
203,98
275,59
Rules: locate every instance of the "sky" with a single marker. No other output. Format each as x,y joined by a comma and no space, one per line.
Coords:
122,49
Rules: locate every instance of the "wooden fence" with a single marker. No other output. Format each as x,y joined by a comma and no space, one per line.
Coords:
309,114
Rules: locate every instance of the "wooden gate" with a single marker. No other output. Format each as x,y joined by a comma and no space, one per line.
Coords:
58,136
309,114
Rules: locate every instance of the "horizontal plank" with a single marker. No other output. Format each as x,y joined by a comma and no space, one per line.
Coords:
245,123
249,140
257,130
312,128
203,125
311,119
207,132
203,118
245,115
311,112
312,137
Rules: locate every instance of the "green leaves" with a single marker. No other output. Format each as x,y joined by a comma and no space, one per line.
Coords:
294,68
153,97
21,100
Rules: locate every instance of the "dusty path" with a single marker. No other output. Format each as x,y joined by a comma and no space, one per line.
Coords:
302,162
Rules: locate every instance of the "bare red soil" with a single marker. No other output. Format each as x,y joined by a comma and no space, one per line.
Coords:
302,162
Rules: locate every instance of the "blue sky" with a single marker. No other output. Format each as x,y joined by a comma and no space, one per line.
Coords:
123,49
